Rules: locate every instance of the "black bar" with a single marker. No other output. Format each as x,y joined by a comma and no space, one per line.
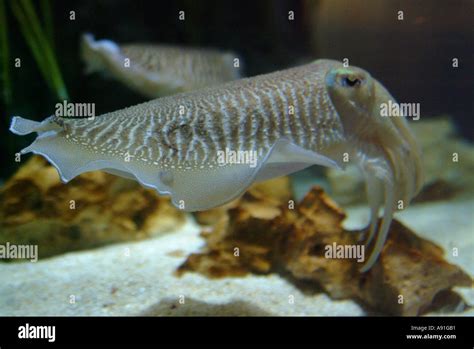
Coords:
381,331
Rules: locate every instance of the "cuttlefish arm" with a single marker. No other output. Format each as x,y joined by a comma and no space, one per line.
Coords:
159,70
383,148
205,148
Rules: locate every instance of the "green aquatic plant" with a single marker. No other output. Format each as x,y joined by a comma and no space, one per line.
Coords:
45,6
5,53
40,42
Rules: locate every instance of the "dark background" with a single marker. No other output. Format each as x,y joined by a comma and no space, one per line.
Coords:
412,58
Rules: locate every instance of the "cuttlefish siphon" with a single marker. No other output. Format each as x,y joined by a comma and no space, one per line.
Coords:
159,70
321,113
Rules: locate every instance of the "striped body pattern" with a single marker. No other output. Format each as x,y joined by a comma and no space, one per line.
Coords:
159,70
195,67
188,130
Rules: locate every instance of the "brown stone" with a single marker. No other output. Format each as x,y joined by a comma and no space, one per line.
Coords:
270,237
93,209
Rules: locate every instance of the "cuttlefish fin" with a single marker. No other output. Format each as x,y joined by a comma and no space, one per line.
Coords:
22,126
206,188
190,189
71,159
202,189
286,158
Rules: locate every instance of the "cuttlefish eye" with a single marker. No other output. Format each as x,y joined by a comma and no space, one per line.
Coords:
350,81
346,77
351,93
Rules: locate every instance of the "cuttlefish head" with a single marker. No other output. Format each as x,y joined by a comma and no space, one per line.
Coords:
383,147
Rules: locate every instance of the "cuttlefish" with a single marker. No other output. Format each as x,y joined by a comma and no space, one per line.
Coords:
321,113
159,70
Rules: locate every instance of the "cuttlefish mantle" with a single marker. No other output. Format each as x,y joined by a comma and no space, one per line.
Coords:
318,114
159,70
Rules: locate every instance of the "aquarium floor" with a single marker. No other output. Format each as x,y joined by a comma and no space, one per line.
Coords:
138,278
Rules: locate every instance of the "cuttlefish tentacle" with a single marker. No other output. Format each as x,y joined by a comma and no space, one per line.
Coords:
375,195
396,174
159,70
383,148
380,193
204,148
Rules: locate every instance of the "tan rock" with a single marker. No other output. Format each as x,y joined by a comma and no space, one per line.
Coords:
269,237
93,209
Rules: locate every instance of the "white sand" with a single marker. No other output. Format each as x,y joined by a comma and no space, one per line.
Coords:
137,278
